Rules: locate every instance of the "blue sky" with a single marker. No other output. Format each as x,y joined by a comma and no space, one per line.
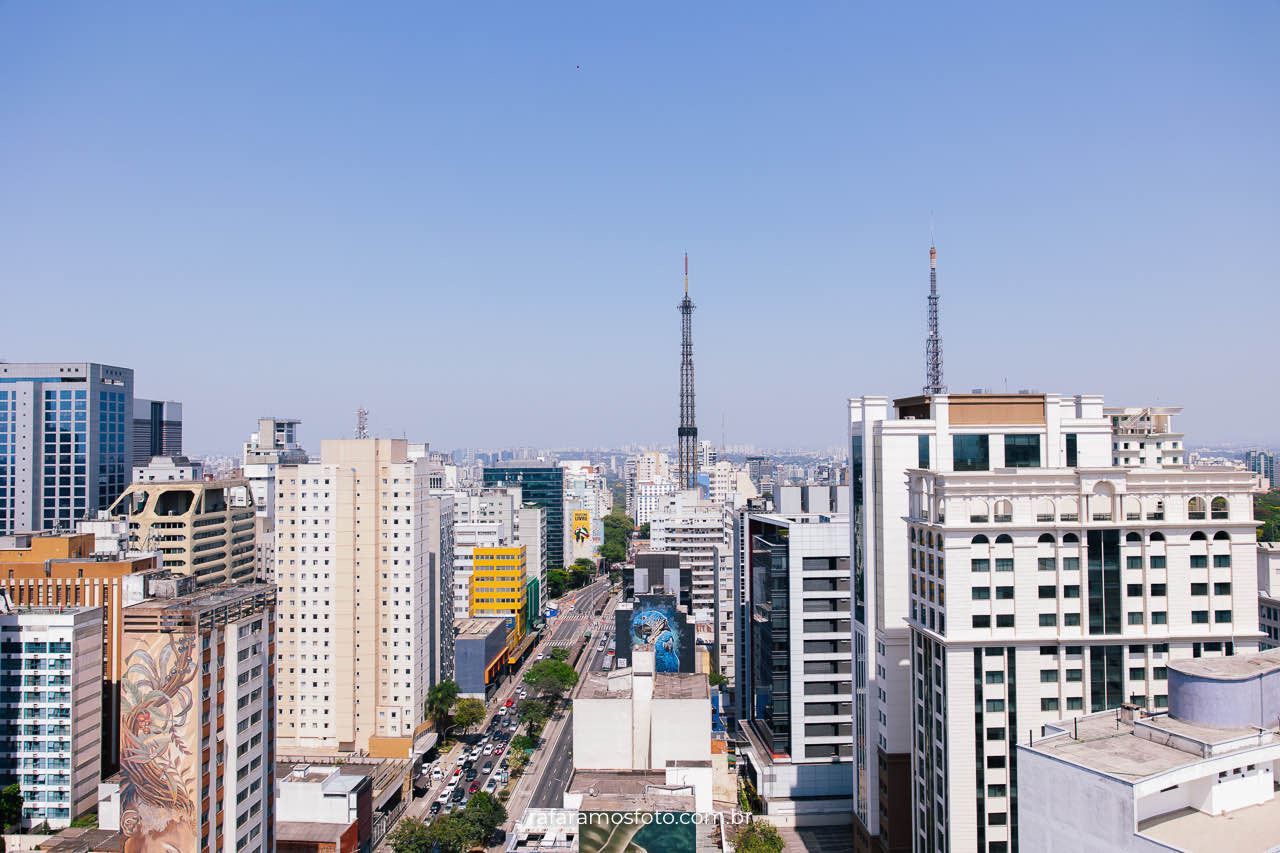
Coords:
470,218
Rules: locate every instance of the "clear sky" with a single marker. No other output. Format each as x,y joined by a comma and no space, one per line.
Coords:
470,218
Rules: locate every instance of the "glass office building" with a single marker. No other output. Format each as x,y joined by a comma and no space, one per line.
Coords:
541,484
65,442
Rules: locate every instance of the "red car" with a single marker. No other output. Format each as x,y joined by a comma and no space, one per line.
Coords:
475,786
510,702
497,750
457,771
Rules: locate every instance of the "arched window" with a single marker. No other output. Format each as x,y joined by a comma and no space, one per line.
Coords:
1133,537
913,534
1044,510
1195,509
1222,536
980,540
1004,539
1218,508
1198,536
1070,538
1004,511
1046,538
1069,510
1157,536
1155,510
978,512
1132,508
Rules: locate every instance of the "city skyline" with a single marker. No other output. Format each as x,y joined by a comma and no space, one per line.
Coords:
521,190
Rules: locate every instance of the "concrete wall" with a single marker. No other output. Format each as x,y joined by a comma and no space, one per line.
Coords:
1248,702
602,734
681,731
1062,809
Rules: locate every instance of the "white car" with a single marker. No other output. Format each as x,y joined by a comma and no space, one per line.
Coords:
475,753
488,749
502,712
491,785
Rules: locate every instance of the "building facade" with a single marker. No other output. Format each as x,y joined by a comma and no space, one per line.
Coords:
52,719
168,469
66,442
793,679
1143,437
541,484
196,724
157,429
353,559
203,528
1263,464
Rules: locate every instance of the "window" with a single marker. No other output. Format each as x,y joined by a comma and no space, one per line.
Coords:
1004,564
1048,591
1075,675
980,565
995,677
1135,619
1223,588
1071,620
1071,590
995,790
1222,617
1199,589
1004,620
1048,676
1135,590
1137,673
1158,590
971,453
922,451
1157,562
981,593
1048,704
995,705
1159,673
982,621
1221,561
1160,617
1071,450
1199,561
1004,593
1133,563
1048,620
1070,564
1199,617
1047,564
995,733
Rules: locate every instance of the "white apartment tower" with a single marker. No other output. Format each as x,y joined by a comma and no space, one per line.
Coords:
1143,437
1004,572
353,565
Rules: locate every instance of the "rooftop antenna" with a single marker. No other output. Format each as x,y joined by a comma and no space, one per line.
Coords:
933,343
362,423
687,433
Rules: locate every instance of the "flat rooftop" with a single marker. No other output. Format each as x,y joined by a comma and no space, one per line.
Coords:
478,628
308,832
1234,668
667,685
1251,829
628,790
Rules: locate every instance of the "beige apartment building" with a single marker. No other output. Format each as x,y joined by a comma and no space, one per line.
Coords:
355,573
200,528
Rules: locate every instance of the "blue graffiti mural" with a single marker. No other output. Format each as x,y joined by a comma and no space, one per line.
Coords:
658,626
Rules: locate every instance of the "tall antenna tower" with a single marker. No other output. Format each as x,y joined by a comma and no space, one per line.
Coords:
362,423
933,343
688,431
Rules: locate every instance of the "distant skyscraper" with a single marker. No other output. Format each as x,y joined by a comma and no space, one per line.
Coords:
541,484
688,431
75,421
157,429
1263,464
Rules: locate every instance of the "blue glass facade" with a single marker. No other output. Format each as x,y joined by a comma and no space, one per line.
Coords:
542,485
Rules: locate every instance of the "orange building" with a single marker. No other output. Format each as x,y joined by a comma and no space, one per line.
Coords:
48,570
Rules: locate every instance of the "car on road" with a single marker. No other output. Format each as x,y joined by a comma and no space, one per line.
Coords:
497,750
510,702
475,786
475,753
488,767
444,795
472,773
448,807
435,808
458,794
488,750
491,785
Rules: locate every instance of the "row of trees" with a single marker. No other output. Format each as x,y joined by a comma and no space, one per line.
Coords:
618,528
1266,511
439,707
560,581
451,833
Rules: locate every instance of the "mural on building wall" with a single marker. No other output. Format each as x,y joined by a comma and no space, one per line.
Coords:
656,621
637,832
159,744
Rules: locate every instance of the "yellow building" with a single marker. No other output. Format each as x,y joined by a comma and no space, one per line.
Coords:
499,588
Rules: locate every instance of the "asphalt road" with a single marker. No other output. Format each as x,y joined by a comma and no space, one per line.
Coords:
554,779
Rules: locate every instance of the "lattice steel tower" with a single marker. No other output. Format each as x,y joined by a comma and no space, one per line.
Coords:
933,343
688,431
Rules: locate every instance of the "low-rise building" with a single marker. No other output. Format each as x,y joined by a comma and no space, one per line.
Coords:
479,654
1199,778
168,469
320,809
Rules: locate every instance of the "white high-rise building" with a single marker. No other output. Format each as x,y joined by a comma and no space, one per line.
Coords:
353,566
650,499
275,443
648,479
168,469
1004,572
701,532
491,518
